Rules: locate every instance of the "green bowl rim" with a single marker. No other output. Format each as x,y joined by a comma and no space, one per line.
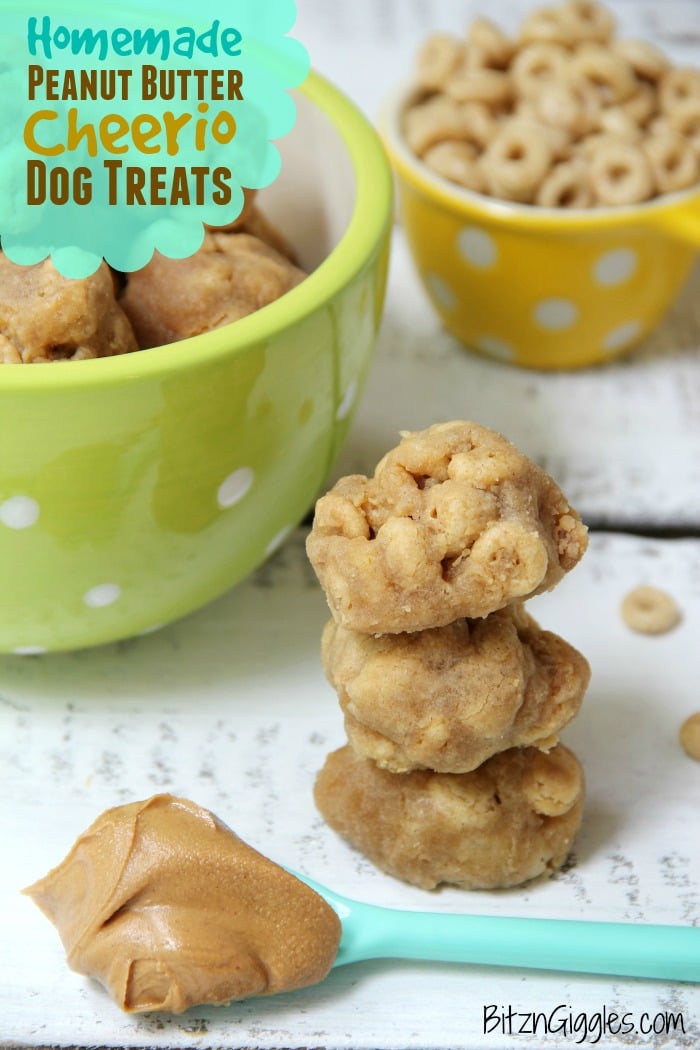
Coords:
371,215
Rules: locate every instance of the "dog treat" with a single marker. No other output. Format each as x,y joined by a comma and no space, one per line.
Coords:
244,216
506,822
257,225
168,908
240,268
650,611
455,522
449,698
232,275
46,317
689,736
568,72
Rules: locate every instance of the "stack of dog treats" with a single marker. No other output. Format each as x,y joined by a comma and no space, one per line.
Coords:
453,696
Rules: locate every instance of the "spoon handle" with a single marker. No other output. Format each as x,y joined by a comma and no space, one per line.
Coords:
624,949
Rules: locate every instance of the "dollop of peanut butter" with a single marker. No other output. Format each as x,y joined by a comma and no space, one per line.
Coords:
164,905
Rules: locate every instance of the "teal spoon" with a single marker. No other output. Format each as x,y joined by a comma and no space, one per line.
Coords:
671,953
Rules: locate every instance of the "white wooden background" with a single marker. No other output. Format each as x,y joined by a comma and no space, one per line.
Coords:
230,706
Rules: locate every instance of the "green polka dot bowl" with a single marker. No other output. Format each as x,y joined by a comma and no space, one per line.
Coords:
136,489
539,287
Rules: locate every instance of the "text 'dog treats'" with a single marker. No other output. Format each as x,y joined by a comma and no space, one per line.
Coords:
506,822
448,698
455,522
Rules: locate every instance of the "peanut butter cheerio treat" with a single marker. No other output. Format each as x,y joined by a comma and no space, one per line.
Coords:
231,276
168,908
46,317
506,822
455,522
449,698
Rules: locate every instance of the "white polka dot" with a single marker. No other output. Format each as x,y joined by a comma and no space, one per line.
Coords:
477,247
277,541
19,512
102,595
615,267
622,335
441,291
235,486
348,401
555,313
29,650
495,347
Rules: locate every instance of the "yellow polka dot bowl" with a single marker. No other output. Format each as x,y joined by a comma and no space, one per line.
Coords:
135,489
538,287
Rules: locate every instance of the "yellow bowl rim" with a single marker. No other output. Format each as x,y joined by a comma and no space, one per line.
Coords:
508,213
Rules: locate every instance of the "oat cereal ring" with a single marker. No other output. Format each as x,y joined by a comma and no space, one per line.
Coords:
561,106
659,126
678,85
642,105
508,821
587,20
610,75
478,122
558,140
645,59
490,42
546,25
538,65
437,59
592,143
674,162
613,120
689,736
568,107
526,108
456,161
650,610
516,161
566,186
685,120
620,173
490,86
433,121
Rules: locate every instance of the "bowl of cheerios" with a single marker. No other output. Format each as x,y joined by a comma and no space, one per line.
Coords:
549,184
163,431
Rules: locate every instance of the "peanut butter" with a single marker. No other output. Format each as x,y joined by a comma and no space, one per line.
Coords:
168,908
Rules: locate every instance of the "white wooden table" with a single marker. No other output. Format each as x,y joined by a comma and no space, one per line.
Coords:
230,706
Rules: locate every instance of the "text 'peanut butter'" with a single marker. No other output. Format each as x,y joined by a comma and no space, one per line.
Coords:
168,908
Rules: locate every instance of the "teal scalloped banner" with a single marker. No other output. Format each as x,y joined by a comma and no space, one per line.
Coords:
124,128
